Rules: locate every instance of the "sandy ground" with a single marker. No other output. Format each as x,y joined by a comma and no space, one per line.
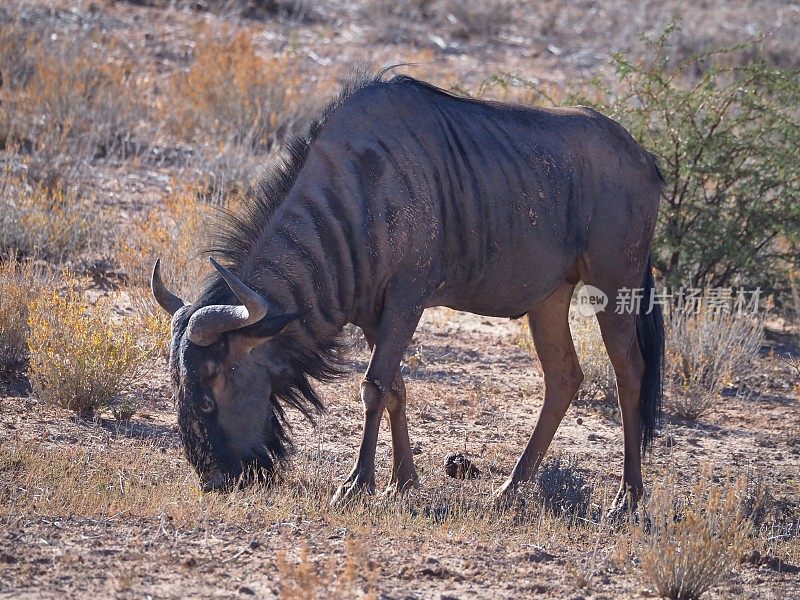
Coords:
72,524
473,389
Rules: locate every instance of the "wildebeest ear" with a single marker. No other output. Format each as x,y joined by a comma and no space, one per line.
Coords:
268,327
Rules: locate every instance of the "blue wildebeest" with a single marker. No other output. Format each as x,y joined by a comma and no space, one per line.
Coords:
401,197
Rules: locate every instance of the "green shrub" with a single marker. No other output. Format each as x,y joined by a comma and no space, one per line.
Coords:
728,138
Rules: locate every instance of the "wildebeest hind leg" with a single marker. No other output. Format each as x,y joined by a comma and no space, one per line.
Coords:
618,279
393,335
619,337
549,325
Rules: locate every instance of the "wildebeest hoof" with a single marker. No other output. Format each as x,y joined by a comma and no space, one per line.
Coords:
623,506
350,490
508,497
398,488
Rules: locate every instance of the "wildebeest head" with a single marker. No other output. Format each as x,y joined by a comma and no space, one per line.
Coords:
222,386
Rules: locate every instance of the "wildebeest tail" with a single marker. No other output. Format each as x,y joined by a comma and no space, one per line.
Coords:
650,334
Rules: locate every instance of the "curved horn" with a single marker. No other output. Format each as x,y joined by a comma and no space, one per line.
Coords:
208,323
166,299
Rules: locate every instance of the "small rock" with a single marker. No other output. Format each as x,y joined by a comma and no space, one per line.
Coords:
254,544
579,421
459,466
247,591
769,561
754,558
539,555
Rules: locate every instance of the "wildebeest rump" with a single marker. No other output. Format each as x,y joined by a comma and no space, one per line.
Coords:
402,197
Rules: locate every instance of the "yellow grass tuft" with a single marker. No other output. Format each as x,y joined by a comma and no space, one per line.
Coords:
306,579
50,223
18,282
688,545
80,358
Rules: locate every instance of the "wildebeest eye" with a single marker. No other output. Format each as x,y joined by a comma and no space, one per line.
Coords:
207,405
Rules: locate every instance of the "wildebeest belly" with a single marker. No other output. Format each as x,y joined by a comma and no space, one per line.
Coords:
505,269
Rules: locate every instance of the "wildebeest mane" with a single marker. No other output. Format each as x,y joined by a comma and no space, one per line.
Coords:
237,229
236,234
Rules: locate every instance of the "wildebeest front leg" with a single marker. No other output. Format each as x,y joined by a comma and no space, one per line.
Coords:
392,337
404,474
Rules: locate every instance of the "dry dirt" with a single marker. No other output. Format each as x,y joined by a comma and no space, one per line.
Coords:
473,389
100,509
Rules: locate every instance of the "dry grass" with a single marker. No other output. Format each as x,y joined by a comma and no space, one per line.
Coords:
232,93
794,363
599,382
151,478
91,481
688,545
463,20
308,580
234,104
474,18
73,100
19,281
43,222
65,103
704,353
80,358
175,232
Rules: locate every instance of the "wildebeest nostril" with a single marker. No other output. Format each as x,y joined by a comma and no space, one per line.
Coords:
207,405
214,482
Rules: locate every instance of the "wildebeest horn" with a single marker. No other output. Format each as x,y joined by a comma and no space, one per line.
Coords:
208,323
166,299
